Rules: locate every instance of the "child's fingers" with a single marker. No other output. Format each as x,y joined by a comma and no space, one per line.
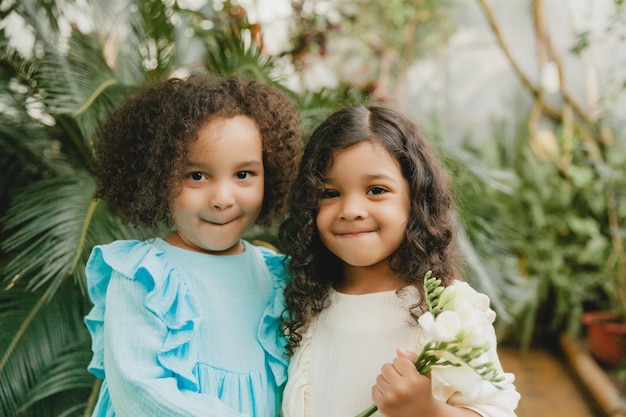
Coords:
403,353
397,380
388,374
404,367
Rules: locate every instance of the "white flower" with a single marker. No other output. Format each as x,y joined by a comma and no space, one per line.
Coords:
473,323
456,340
450,298
447,326
463,377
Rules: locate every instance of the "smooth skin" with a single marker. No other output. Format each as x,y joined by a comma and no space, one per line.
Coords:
362,219
362,216
222,189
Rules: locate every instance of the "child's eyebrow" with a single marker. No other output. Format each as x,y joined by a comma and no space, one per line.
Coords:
251,164
379,177
241,165
368,177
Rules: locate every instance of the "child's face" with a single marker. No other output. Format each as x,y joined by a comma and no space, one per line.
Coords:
222,190
365,205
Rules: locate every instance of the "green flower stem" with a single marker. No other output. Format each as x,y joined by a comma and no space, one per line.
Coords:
427,359
431,353
365,413
423,363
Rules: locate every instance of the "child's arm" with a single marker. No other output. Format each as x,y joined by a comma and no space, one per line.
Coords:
402,391
138,384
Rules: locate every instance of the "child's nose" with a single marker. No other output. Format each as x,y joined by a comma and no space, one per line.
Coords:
222,196
352,208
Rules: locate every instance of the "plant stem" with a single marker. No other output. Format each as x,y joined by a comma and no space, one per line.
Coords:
368,412
420,368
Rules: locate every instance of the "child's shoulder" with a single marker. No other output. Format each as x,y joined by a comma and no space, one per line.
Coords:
268,251
137,260
274,260
124,256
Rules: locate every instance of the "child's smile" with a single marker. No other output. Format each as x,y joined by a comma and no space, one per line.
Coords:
222,191
364,207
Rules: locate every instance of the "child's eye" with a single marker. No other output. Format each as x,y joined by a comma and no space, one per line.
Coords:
242,175
376,190
197,176
329,193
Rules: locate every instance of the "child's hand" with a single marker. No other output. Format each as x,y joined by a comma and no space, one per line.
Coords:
401,391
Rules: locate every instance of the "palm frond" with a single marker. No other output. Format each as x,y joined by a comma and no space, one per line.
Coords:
79,91
48,345
157,32
315,106
14,63
47,226
233,51
66,373
26,152
43,16
44,228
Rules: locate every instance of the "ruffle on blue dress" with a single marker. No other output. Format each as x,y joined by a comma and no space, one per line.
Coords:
171,299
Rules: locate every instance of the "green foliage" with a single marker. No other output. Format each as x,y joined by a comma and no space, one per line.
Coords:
555,220
53,98
47,372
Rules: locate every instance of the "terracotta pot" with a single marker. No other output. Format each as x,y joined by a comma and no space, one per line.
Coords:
606,336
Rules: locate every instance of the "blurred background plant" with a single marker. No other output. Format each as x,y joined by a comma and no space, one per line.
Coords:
83,59
539,168
541,206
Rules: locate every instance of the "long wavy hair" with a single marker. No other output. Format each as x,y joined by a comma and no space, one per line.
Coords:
428,244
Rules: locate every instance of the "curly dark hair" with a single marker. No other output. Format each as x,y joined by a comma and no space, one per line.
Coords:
429,241
142,147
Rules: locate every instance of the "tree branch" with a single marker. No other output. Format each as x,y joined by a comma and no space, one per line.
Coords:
536,92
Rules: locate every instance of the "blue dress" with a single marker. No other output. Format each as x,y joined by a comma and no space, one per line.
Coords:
181,333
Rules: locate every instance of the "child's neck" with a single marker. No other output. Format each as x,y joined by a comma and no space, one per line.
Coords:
368,279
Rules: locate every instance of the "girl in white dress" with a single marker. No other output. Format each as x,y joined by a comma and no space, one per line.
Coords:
369,214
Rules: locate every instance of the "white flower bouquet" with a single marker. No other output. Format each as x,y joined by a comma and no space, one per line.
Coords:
456,345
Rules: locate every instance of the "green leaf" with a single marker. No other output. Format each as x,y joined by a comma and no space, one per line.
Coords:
52,342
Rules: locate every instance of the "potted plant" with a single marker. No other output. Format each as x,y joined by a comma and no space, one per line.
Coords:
606,328
606,325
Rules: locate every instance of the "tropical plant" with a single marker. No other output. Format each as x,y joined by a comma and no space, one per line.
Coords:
373,43
568,158
561,219
53,96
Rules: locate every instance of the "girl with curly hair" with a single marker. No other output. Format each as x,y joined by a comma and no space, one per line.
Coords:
368,215
189,324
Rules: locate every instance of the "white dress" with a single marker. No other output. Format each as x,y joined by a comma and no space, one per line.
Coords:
332,372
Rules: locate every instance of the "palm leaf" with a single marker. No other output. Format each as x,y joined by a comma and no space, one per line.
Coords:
232,51
315,106
53,224
82,89
67,372
14,63
40,348
43,16
23,150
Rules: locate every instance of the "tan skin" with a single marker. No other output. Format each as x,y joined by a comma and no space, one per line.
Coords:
222,189
401,391
362,219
